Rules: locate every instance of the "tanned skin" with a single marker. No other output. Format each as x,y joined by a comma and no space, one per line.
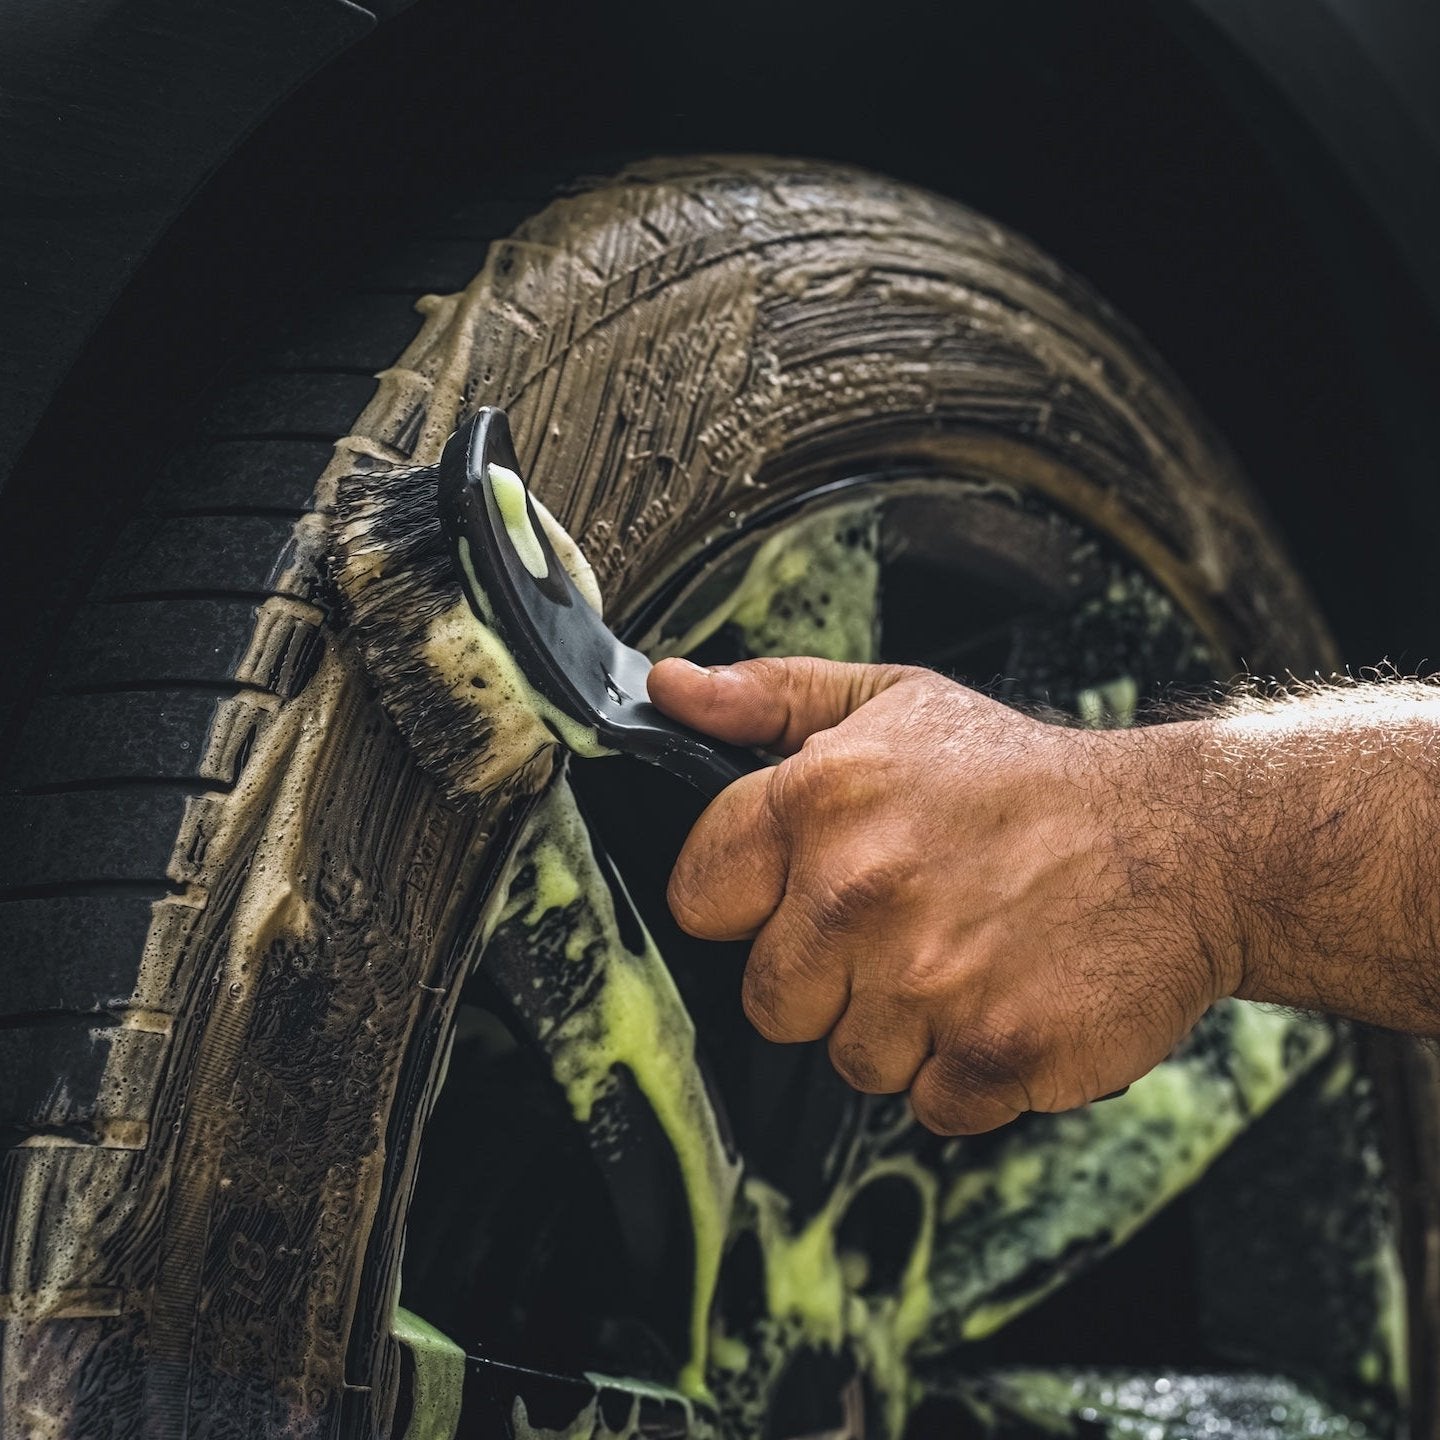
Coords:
999,914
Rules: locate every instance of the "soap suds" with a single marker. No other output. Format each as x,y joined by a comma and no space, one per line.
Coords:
632,1019
810,589
439,1378
1057,1185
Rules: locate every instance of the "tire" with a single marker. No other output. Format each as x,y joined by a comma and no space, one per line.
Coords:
236,917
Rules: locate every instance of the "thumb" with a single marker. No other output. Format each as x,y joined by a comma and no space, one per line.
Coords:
774,703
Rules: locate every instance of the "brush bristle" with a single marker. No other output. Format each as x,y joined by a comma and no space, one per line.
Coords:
394,573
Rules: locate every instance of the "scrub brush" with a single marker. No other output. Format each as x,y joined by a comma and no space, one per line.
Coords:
484,650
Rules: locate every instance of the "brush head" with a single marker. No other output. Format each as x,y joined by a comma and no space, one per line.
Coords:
479,633
589,687
447,680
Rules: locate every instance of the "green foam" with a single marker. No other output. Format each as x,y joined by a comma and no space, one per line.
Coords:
439,1378
810,589
1093,1176
811,1283
635,1019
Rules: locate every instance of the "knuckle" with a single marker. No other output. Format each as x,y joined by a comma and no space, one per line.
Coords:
805,675
792,993
760,999
802,784
947,1121
812,966
936,1117
845,894
854,1066
771,671
830,907
946,1111
921,680
986,1062
918,691
885,876
940,1109
917,985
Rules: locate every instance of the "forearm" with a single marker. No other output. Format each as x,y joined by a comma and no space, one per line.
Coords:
1308,828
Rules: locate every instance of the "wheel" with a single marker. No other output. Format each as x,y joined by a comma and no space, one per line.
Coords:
256,956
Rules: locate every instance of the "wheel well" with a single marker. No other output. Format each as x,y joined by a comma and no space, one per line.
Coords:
1110,138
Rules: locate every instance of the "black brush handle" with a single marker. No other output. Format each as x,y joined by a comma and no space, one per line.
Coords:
709,765
720,765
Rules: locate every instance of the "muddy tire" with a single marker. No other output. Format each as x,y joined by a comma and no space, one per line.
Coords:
235,918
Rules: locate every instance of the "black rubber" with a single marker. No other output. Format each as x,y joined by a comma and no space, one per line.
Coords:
114,743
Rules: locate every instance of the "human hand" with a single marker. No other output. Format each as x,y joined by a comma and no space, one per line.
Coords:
973,905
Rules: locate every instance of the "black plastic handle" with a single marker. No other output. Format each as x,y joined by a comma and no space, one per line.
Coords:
711,765
640,729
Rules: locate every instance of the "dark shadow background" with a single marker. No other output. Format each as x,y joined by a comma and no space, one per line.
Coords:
1138,142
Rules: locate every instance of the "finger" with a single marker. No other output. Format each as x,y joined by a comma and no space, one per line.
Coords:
968,1089
877,1047
775,703
730,875
797,980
